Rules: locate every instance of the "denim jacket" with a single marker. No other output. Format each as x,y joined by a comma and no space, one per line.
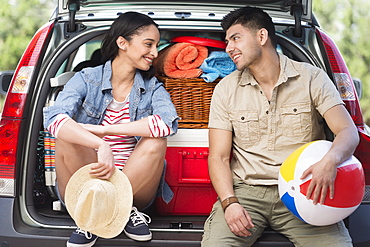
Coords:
88,93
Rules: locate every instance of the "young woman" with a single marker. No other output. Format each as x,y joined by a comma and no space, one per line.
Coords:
116,115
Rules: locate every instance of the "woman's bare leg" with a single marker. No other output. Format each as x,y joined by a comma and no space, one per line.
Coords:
68,159
144,169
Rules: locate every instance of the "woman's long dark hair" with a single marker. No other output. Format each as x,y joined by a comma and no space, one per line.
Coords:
126,25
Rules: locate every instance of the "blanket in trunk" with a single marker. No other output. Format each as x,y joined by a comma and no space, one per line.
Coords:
181,60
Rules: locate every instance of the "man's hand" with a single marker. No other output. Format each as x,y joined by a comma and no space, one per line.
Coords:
238,220
323,178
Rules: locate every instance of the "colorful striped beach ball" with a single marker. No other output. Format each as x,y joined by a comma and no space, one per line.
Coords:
349,186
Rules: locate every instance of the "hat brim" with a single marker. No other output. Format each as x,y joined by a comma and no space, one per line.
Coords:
123,200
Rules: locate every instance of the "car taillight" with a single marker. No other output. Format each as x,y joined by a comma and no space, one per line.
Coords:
13,109
343,79
347,91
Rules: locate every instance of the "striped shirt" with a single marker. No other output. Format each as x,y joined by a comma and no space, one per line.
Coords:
122,145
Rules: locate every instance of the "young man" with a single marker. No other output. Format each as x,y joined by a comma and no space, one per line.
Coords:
263,112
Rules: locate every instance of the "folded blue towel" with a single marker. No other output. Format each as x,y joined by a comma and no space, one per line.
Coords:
217,64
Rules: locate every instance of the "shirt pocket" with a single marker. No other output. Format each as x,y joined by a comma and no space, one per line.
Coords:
144,109
296,119
246,127
91,111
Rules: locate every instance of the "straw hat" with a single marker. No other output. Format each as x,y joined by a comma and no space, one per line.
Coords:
99,206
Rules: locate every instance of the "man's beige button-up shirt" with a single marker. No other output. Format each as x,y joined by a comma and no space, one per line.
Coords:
266,133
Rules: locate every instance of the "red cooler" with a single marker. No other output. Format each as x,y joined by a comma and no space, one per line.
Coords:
187,175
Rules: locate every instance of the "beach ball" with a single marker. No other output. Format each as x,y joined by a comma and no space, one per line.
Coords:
349,186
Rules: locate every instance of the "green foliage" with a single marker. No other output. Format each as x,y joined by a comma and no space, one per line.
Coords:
347,22
19,20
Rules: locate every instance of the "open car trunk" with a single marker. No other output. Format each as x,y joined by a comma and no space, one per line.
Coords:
181,222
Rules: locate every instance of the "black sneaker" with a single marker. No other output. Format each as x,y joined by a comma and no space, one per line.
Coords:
81,238
137,226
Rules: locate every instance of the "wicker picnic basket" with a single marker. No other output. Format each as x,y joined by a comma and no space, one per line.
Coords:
192,99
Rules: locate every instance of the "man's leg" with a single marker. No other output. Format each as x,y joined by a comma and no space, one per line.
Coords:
302,234
255,200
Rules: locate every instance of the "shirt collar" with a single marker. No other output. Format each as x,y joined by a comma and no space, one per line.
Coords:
287,71
107,75
139,81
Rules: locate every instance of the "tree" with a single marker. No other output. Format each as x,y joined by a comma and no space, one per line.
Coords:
19,20
346,21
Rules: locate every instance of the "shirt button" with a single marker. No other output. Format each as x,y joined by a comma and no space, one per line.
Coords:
242,118
295,109
267,112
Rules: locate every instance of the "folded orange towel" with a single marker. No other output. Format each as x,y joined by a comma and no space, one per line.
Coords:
181,60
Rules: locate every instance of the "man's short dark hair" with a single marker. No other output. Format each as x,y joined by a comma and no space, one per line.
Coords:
250,17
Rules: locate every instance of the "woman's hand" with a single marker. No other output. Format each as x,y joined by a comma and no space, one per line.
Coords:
105,166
